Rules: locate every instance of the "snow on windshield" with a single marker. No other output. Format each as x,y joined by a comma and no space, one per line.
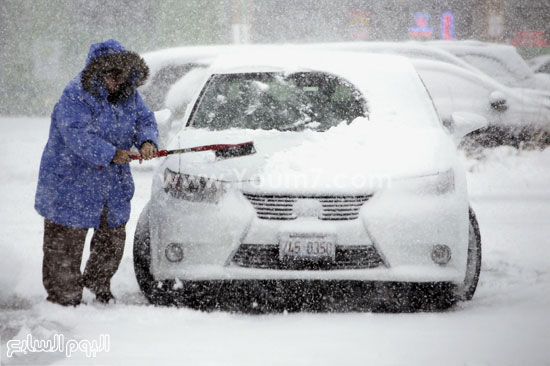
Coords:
277,101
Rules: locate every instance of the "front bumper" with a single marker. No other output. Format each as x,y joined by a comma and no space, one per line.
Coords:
401,226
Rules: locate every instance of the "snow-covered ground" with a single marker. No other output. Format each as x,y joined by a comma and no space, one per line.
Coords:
507,322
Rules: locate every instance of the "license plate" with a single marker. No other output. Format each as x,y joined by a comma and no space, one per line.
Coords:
307,247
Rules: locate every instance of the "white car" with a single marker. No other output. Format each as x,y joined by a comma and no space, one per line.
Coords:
513,114
355,192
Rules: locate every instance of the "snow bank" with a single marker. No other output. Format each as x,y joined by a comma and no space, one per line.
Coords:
507,171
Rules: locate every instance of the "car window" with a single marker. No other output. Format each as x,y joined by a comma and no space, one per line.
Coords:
277,101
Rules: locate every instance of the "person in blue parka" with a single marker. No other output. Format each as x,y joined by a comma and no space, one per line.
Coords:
85,179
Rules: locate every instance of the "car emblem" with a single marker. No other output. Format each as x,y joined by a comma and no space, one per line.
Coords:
308,208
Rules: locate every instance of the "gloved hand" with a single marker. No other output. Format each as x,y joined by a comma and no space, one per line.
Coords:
148,150
123,156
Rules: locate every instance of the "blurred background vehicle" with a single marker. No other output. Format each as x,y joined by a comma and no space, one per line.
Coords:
513,114
500,61
409,49
540,64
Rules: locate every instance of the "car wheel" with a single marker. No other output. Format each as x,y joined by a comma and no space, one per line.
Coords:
157,292
466,291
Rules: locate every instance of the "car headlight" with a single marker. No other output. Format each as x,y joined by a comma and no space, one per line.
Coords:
193,188
439,183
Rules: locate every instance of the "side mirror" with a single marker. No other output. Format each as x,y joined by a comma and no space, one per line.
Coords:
497,99
465,122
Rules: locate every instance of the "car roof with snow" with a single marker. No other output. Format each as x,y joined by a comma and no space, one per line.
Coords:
206,55
294,59
159,59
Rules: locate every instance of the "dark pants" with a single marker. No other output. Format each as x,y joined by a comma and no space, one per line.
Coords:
63,248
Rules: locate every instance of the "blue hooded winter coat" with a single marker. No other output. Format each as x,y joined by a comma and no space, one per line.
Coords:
85,132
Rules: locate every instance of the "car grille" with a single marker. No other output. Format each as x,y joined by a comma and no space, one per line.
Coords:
282,207
267,257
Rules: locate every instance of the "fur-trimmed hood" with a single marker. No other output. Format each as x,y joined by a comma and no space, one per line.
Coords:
109,55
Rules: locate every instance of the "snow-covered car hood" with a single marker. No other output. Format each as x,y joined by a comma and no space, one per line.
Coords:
347,157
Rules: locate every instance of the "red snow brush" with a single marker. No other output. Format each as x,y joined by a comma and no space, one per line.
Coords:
222,151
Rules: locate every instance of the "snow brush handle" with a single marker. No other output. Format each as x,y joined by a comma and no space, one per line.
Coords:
216,147
159,154
140,158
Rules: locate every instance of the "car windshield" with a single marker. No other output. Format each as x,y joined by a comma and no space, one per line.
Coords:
278,101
